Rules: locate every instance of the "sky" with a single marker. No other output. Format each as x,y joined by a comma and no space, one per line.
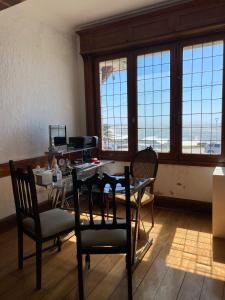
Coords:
201,92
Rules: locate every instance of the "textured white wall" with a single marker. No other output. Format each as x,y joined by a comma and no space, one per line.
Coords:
185,182
38,79
38,86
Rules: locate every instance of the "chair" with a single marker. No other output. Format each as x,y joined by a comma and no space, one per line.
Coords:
102,236
144,165
40,227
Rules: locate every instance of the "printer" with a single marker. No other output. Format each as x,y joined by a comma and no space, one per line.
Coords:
80,142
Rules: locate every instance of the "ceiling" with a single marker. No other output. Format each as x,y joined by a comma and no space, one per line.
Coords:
68,15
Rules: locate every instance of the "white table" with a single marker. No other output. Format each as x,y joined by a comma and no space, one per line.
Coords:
218,204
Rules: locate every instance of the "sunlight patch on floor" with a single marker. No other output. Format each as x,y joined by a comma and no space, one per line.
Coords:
192,251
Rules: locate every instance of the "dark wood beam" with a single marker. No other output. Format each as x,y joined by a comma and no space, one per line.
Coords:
33,162
177,22
3,6
7,3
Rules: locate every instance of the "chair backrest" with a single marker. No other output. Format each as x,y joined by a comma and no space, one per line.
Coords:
25,195
145,164
100,187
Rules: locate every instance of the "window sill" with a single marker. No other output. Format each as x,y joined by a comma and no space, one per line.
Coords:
183,161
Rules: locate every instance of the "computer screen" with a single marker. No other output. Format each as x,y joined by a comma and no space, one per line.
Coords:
57,135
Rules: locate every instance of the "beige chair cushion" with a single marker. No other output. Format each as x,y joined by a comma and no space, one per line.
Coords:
147,197
52,222
103,238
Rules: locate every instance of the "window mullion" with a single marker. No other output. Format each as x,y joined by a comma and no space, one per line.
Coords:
176,105
132,103
223,111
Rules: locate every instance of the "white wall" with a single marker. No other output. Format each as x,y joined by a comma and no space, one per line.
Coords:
38,86
185,182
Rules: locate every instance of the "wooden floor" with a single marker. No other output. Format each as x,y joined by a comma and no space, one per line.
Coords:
184,262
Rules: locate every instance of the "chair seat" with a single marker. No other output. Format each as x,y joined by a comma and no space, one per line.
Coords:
52,222
147,198
103,238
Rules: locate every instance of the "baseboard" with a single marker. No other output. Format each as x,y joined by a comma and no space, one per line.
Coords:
183,204
10,221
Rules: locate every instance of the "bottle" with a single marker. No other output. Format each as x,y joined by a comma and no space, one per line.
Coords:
58,174
54,164
54,175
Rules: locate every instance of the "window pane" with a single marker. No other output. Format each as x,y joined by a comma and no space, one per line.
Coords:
202,98
113,96
153,72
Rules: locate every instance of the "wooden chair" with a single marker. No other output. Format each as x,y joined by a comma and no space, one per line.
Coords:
102,236
40,227
144,165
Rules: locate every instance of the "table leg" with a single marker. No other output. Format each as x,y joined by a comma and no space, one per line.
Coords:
135,238
136,258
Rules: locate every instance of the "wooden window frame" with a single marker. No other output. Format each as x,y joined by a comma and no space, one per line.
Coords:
120,155
175,156
202,158
172,155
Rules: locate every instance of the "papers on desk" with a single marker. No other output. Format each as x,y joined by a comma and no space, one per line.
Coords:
84,166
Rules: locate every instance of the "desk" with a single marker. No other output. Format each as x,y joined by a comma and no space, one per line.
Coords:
57,190
218,203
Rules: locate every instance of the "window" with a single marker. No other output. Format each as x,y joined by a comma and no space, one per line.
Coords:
202,98
169,97
114,107
153,101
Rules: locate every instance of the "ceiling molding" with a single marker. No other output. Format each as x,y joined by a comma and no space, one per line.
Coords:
133,13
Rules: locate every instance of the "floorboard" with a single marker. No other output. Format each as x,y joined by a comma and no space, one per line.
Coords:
184,262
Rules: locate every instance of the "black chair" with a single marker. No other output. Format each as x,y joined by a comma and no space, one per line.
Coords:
102,236
144,165
40,227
